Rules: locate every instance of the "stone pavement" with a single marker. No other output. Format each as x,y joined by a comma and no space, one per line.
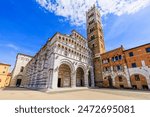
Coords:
73,94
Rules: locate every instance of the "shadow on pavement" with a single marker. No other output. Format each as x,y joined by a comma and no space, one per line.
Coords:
15,89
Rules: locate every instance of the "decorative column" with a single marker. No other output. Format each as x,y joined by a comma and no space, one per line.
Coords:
113,80
128,76
92,78
86,83
148,78
73,79
148,81
128,81
55,78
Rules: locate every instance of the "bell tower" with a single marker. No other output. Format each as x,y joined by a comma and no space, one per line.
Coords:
95,41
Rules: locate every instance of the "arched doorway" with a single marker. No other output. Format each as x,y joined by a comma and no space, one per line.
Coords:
89,79
139,81
79,77
121,82
108,82
64,76
18,81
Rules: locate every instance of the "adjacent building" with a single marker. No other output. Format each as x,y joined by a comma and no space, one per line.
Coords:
127,68
138,64
114,67
18,79
5,75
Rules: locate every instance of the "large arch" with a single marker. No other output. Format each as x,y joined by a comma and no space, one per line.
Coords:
64,76
82,66
69,63
138,81
121,82
80,80
108,81
90,76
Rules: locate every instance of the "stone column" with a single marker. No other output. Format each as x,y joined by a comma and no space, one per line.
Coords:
86,83
73,79
148,82
148,77
128,76
129,83
113,80
92,78
55,78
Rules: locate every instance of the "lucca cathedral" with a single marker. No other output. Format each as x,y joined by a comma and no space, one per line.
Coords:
70,60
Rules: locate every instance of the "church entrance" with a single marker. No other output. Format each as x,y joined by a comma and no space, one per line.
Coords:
18,83
64,76
59,82
79,77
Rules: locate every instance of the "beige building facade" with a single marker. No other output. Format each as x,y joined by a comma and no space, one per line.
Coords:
5,75
17,79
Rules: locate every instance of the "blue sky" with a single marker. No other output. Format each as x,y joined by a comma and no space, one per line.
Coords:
26,25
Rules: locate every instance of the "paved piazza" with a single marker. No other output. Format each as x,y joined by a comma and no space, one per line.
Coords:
76,94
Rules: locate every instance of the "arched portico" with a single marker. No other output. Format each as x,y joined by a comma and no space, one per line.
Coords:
64,76
80,80
121,82
108,82
139,81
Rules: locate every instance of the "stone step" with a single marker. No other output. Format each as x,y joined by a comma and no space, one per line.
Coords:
61,90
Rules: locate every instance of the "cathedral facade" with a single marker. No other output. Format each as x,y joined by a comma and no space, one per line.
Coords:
69,60
64,61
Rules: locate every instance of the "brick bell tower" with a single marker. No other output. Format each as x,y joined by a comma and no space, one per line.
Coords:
95,41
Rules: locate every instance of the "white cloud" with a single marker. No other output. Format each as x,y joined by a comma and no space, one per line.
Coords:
74,10
12,46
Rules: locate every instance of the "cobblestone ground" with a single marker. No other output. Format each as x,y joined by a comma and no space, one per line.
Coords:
82,94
